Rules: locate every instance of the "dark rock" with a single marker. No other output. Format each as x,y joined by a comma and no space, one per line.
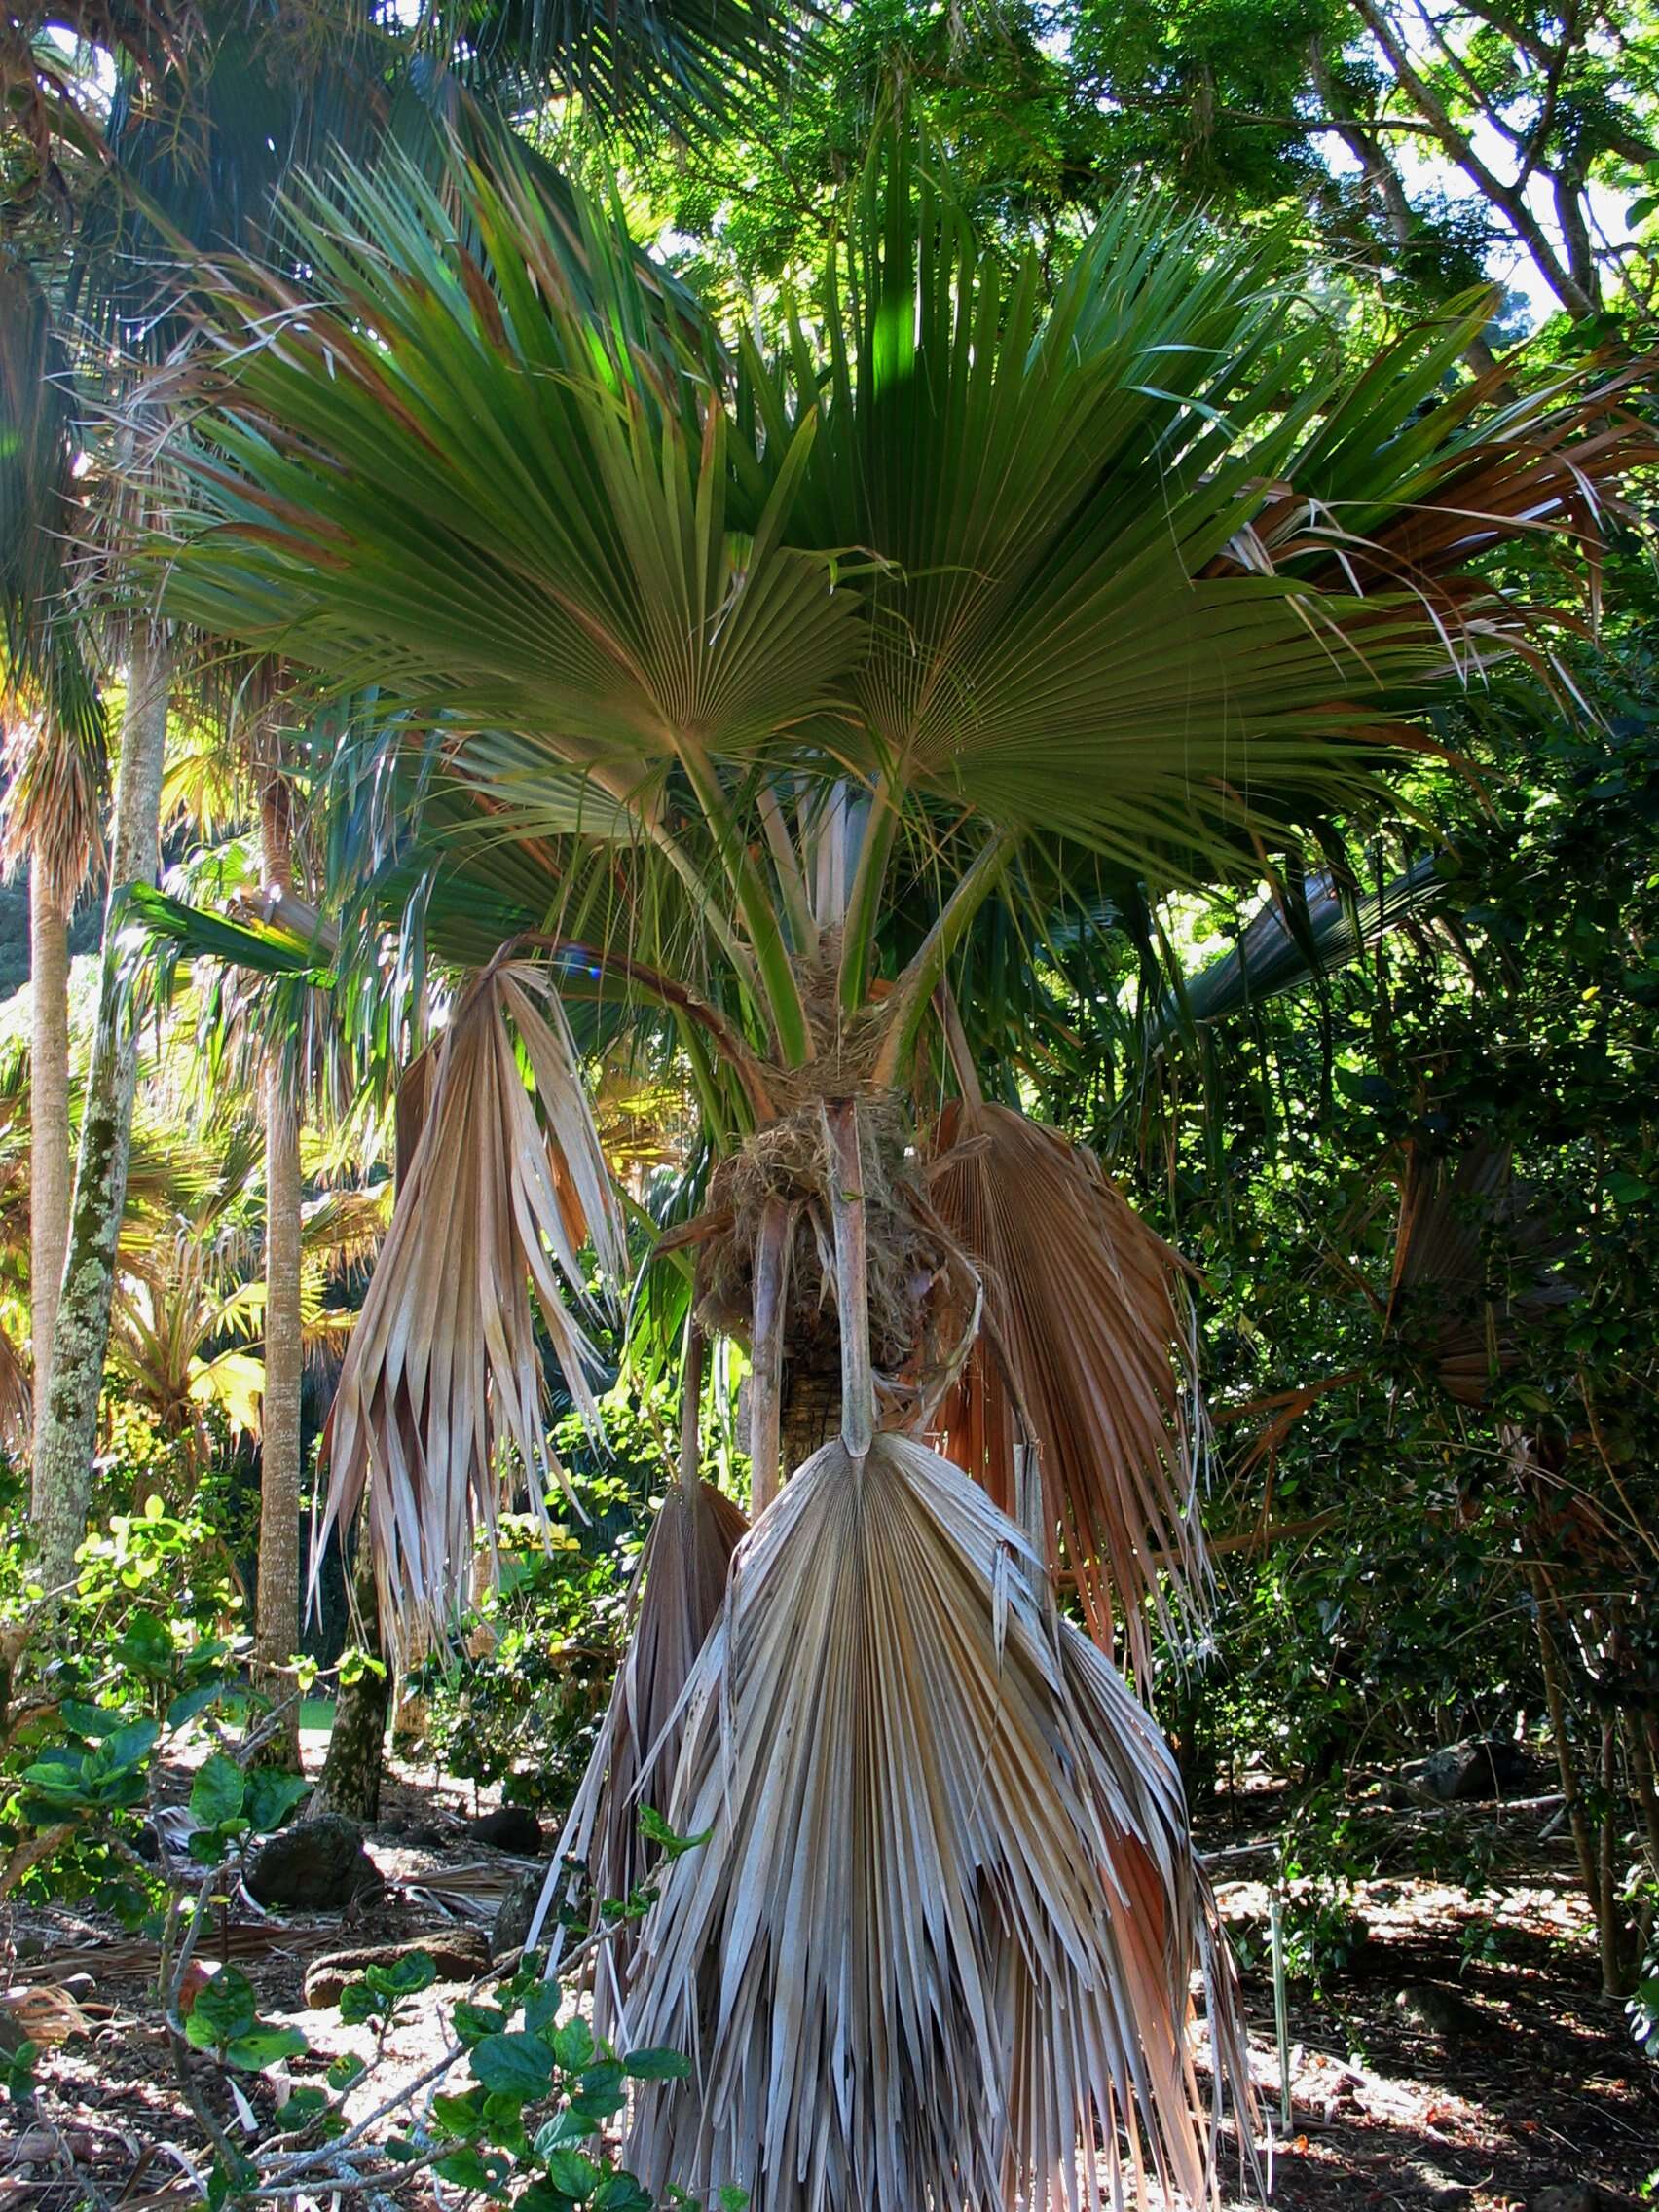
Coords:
510,1828
510,1930
316,1866
1431,2005
459,1954
1482,1766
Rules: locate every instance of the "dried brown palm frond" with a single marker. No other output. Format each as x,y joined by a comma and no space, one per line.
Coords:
343,1228
46,2014
17,1399
52,815
444,1370
1551,464
1474,1266
937,1953
1083,1328
681,1589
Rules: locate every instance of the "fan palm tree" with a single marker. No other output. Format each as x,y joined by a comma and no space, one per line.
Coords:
738,690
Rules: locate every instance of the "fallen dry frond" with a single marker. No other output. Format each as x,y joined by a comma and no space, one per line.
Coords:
1084,1321
444,1369
935,1956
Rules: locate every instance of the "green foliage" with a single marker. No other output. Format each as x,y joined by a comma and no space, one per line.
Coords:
133,1670
519,1701
17,2069
530,2128
1373,1387
225,2020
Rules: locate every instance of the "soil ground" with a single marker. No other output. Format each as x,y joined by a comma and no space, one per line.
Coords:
1461,2058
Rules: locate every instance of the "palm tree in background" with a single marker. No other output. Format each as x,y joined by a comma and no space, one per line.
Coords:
51,814
737,694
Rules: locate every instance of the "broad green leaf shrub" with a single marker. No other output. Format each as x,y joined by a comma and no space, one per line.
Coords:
139,1663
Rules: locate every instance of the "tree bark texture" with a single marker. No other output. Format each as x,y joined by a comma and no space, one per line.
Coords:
66,1431
276,1603
49,1120
811,1413
350,1778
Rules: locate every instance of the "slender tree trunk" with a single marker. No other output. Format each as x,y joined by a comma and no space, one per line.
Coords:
1593,1840
1385,181
351,1772
66,1432
350,1778
277,1605
49,1122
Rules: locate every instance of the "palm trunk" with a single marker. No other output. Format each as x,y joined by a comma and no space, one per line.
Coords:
811,1413
350,1778
49,1120
67,1429
277,1605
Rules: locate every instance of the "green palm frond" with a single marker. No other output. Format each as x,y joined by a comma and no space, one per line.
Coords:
266,948
1138,566
639,64
1298,935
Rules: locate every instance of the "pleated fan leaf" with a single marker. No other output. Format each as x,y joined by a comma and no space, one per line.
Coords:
444,1370
684,1578
1083,1322
937,1953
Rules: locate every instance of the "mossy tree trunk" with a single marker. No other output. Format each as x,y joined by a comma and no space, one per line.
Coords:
66,1428
351,1772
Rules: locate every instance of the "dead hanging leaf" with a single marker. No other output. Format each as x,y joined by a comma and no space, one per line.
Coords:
17,1399
936,1950
685,1565
684,1577
444,1369
1082,1324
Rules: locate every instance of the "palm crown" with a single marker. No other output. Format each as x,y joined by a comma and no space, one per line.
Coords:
699,669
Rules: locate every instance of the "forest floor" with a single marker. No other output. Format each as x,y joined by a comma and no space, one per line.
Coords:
1460,2055
1460,2058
